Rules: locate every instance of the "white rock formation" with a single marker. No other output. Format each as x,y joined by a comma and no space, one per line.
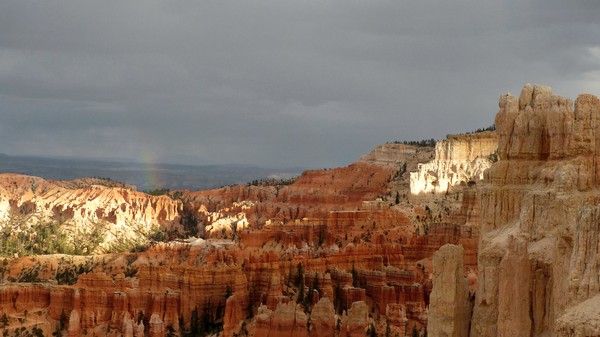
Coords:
458,159
84,204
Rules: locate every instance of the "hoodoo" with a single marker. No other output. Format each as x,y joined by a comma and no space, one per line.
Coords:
538,244
351,251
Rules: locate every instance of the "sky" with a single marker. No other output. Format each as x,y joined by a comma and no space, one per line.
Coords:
277,83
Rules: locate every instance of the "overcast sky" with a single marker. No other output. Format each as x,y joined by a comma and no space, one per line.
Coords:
275,83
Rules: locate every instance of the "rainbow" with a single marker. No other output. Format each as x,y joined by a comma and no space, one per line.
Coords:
151,171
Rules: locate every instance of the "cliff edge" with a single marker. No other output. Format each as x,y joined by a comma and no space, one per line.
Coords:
539,240
459,159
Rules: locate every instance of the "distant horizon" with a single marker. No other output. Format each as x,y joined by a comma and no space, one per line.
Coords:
145,176
200,164
128,161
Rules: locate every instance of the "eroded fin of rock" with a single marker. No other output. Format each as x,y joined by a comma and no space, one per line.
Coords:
449,308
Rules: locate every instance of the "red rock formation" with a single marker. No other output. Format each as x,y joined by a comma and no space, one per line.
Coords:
21,297
234,315
357,322
286,320
312,195
322,318
396,319
354,242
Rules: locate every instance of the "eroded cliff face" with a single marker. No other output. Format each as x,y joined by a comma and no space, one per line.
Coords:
450,308
459,159
121,211
133,294
397,156
337,252
539,219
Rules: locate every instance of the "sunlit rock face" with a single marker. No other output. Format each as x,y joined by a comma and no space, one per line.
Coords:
79,205
539,217
459,159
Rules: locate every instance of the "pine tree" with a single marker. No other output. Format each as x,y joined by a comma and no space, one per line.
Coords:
300,283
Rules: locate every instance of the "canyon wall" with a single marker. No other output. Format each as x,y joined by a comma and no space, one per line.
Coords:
154,291
459,159
539,217
397,156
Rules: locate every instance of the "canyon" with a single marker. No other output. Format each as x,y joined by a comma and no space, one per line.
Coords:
491,233
336,252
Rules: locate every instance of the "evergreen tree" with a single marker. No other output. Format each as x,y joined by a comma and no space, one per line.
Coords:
196,326
300,283
4,321
354,277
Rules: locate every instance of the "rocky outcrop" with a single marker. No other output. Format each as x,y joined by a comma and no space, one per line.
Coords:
450,309
402,156
234,315
74,329
322,318
287,320
157,326
396,319
81,205
580,320
154,300
539,219
358,319
459,159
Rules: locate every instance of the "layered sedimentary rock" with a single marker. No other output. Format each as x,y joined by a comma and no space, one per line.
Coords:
322,318
157,297
122,211
396,319
357,321
289,319
337,251
459,159
286,320
398,156
539,219
315,193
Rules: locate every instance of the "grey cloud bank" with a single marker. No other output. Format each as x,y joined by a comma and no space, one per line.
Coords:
275,83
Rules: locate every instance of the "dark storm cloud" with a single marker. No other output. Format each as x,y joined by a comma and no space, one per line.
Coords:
275,83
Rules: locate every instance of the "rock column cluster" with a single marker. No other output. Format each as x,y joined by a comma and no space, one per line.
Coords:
539,241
